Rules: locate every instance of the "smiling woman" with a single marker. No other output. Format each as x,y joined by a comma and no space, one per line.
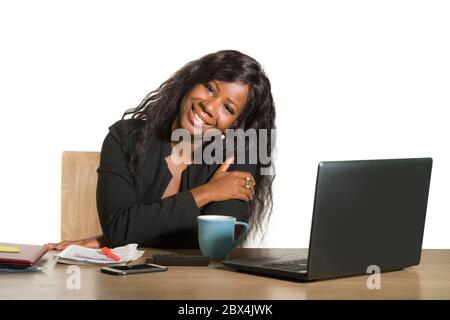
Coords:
144,196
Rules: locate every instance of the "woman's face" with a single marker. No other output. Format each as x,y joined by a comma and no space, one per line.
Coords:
215,104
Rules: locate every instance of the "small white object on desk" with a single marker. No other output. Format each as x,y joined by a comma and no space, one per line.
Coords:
75,254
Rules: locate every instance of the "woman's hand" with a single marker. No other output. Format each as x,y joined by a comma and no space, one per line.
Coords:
225,185
93,242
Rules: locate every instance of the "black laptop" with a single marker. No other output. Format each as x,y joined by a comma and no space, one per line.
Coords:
366,213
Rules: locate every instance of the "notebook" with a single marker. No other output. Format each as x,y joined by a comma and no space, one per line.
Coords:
28,255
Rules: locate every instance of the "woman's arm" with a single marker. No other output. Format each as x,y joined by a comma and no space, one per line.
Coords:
224,185
92,242
239,208
204,195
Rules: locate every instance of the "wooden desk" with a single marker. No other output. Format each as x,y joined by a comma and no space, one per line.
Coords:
429,280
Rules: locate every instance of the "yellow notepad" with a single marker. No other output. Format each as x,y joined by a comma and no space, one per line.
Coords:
9,249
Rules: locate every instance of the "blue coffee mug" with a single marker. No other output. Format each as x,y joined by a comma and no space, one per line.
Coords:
216,235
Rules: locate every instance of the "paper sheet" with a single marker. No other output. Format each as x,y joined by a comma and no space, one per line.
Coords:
81,255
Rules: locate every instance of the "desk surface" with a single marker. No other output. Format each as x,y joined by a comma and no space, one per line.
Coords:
429,280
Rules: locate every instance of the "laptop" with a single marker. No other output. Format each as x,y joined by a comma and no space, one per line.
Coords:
366,213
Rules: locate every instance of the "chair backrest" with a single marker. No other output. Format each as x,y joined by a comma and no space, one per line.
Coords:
79,218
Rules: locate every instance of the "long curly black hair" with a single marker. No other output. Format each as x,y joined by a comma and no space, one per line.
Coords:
160,107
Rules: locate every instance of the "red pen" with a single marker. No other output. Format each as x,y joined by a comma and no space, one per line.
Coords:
107,252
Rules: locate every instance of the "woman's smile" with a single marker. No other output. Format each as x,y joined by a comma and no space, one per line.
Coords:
198,119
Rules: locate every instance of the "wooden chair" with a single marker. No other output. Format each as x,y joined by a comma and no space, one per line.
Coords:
79,218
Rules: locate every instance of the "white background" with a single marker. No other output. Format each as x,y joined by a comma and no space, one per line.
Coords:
351,80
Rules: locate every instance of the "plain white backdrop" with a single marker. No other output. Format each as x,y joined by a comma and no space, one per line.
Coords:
351,80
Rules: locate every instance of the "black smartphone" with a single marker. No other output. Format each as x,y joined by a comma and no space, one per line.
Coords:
139,268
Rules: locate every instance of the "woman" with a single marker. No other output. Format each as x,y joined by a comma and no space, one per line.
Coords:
144,196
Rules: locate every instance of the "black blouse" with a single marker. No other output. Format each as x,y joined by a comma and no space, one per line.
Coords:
138,215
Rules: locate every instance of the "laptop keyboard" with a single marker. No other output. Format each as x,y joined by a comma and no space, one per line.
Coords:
293,265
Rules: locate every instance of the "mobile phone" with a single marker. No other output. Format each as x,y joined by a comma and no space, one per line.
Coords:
139,268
